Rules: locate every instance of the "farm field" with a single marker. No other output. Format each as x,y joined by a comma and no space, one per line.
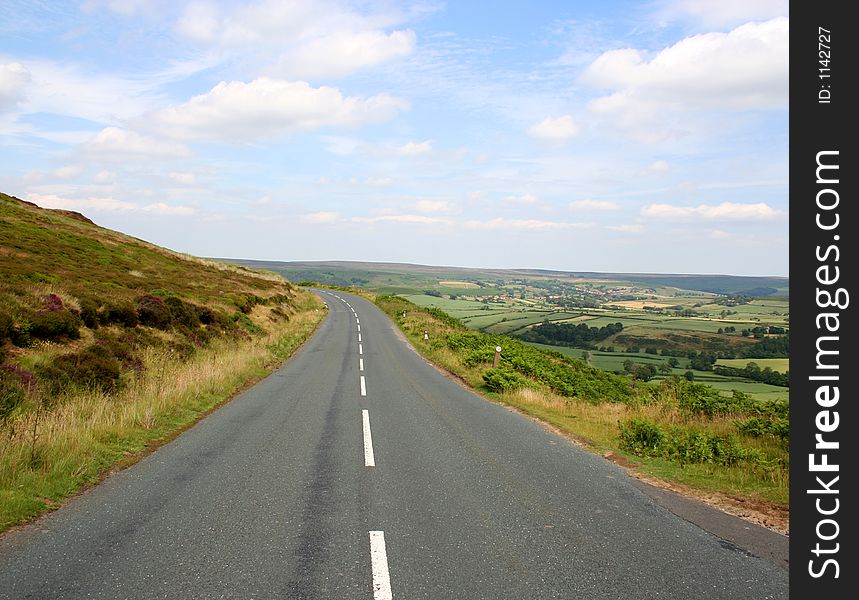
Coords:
613,361
780,365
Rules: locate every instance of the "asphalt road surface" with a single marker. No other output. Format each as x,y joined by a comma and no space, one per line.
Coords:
358,471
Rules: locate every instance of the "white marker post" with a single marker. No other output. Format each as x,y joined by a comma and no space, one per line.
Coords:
497,358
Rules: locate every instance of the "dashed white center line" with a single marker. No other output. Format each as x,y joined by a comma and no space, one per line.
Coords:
363,386
359,328
379,559
359,337
369,458
357,320
360,349
360,364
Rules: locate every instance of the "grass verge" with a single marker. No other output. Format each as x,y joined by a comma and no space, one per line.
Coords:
49,454
676,432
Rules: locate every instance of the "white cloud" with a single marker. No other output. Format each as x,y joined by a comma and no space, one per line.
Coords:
415,219
555,129
343,53
724,12
433,206
726,211
67,172
115,144
105,204
659,166
745,68
415,148
270,107
104,177
523,224
526,199
264,200
593,205
379,181
165,209
628,228
183,178
320,217
14,78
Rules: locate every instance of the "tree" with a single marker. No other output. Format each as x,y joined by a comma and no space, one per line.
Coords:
673,362
689,375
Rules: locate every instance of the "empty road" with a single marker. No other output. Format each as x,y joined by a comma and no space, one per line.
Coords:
358,471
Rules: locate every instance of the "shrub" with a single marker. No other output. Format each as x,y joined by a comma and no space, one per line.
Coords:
89,312
6,324
205,315
54,324
14,382
121,313
93,367
503,380
641,437
182,313
152,311
245,322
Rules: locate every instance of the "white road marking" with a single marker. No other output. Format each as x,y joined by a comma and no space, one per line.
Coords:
360,364
363,386
369,458
357,320
359,328
360,349
379,560
359,337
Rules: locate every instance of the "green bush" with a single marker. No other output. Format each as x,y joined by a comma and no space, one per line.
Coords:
120,313
89,312
182,313
503,380
13,382
641,437
93,367
54,325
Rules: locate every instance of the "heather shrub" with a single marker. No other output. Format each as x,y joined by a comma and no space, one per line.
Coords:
89,312
121,313
14,383
182,313
93,367
54,325
152,311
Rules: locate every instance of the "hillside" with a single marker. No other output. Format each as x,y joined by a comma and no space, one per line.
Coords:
384,277
108,343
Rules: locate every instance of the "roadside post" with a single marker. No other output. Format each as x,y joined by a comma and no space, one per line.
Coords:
497,358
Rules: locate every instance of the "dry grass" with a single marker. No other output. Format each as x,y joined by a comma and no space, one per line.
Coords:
46,454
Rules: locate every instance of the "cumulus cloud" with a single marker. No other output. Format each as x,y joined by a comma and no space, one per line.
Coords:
14,78
593,205
104,177
113,143
726,211
555,129
415,148
344,53
671,94
379,181
106,204
268,107
312,39
745,68
724,13
406,218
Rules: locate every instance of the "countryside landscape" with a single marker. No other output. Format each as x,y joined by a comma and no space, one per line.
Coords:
399,300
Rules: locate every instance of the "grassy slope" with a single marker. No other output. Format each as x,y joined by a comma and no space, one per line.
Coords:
58,434
596,423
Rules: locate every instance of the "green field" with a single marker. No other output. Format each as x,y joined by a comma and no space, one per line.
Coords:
780,365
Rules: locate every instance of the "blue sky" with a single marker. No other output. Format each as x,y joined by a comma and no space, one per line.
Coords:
601,136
